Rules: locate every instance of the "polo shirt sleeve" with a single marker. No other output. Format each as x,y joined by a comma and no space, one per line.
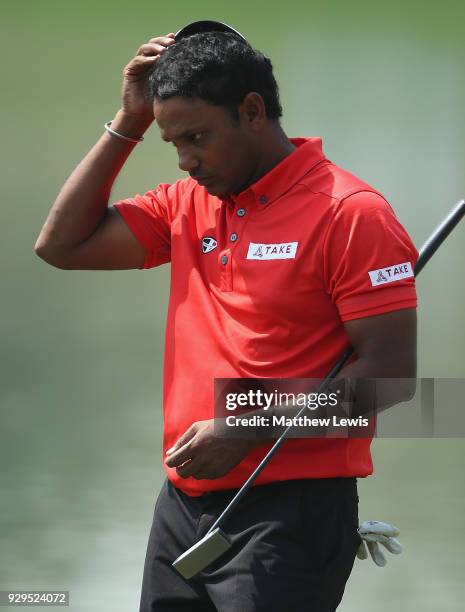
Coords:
149,218
368,259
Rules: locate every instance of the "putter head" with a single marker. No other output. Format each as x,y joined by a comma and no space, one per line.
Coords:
204,552
205,26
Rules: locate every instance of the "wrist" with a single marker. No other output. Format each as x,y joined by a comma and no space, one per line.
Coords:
132,126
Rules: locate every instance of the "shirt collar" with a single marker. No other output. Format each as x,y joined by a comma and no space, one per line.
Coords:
307,154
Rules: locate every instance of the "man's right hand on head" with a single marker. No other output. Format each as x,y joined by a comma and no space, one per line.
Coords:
81,232
135,94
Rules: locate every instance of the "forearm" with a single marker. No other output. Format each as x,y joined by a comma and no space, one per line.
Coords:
369,384
378,384
398,365
82,202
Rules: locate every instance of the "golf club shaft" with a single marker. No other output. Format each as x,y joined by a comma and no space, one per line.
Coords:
426,252
439,235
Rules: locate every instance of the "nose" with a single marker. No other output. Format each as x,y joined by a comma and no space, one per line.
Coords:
187,160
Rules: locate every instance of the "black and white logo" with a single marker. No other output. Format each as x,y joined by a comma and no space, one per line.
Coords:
208,244
391,274
280,250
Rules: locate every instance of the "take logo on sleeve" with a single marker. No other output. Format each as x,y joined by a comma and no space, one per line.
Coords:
280,250
390,274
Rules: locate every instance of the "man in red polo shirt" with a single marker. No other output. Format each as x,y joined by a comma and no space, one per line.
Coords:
280,260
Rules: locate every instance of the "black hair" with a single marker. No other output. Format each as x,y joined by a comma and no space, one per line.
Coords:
218,67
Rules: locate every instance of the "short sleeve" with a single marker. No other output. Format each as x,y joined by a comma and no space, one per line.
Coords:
368,259
148,217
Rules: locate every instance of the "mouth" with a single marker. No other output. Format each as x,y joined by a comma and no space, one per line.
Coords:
203,180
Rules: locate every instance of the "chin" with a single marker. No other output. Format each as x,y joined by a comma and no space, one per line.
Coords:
216,190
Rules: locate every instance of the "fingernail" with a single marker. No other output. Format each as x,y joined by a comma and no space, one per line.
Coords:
169,451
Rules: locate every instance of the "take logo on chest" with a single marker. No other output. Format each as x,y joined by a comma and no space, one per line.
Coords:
280,250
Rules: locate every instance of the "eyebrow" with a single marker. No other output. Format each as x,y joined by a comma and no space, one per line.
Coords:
188,132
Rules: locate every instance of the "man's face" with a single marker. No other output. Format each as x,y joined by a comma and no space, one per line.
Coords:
217,151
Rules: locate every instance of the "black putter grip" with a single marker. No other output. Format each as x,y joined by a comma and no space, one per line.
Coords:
425,254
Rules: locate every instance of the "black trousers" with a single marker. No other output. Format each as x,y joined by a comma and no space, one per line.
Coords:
294,545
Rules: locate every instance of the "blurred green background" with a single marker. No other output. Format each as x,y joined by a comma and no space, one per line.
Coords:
81,357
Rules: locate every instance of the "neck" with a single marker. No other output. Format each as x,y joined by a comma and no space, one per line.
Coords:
276,146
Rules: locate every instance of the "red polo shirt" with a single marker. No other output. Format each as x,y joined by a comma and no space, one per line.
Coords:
260,286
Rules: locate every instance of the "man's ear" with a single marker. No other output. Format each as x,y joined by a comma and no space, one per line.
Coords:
252,111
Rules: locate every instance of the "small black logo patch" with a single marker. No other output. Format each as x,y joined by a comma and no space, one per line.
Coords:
208,244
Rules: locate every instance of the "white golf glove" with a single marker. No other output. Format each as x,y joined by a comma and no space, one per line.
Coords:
374,533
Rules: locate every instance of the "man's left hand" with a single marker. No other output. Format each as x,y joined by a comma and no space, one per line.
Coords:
198,453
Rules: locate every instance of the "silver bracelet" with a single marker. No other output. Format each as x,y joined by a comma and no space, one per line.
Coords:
122,136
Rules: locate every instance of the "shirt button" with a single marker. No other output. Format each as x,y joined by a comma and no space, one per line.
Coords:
233,237
241,212
224,259
263,199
